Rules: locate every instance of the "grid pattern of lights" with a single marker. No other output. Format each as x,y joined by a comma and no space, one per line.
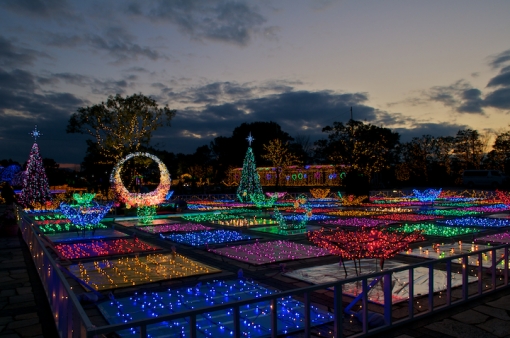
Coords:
254,322
448,213
98,248
356,222
68,227
406,217
501,238
477,222
432,229
270,252
175,227
201,238
135,270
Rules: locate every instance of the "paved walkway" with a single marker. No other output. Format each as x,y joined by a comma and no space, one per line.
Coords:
24,309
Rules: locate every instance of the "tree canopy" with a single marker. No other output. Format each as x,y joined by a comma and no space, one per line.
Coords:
121,124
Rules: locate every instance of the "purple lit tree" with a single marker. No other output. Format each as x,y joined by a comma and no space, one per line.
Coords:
35,187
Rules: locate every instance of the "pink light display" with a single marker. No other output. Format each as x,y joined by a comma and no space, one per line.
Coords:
270,252
175,227
501,238
406,217
98,248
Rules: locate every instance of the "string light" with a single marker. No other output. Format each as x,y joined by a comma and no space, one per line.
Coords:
270,252
35,187
109,273
250,181
477,222
363,242
141,199
356,222
176,227
432,229
97,248
85,215
428,195
200,238
254,318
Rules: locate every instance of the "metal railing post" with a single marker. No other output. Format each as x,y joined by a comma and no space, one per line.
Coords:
411,293
307,314
339,313
274,318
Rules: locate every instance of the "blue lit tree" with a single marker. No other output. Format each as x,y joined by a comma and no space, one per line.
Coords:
250,181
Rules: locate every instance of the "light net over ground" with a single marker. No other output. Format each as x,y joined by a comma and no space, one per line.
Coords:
136,270
255,319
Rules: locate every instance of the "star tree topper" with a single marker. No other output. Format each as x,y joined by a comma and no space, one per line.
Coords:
250,139
35,133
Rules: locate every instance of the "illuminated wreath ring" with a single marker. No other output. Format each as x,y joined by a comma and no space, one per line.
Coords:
152,198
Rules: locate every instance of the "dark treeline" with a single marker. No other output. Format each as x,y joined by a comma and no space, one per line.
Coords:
373,155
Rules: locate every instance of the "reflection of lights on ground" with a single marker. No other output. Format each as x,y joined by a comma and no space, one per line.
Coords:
112,273
269,252
255,318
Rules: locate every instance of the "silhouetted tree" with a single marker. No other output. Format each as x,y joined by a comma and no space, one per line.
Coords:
120,125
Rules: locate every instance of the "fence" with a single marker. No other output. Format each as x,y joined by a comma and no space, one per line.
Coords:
72,320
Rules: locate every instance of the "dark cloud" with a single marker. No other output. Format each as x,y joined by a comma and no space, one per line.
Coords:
297,112
14,56
502,79
117,42
498,60
227,21
460,96
434,129
40,8
96,86
500,98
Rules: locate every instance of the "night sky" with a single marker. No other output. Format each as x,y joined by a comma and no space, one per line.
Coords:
417,67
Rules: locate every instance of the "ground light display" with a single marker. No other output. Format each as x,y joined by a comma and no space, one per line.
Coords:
270,252
98,248
131,263
111,273
201,238
255,319
432,229
363,242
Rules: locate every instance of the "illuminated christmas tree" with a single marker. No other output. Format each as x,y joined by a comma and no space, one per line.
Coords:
250,181
35,187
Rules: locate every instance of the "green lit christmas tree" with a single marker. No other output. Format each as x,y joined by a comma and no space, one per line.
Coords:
250,181
35,188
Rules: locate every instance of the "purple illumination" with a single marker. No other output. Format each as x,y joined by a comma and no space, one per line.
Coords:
269,252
